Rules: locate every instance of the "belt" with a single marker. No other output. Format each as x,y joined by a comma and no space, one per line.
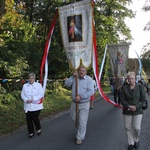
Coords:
81,102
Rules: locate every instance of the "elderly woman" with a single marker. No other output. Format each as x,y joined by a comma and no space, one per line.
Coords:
31,94
132,97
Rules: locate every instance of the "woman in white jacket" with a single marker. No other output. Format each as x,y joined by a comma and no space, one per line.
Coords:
31,94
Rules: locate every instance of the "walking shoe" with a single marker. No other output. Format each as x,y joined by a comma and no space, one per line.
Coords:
39,132
79,141
31,135
130,147
136,145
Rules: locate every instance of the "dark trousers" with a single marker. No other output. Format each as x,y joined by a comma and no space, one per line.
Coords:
117,96
32,118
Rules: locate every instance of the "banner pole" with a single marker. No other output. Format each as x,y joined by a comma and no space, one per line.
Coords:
77,110
76,78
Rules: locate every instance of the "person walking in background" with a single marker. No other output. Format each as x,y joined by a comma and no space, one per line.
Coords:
92,101
125,81
147,87
117,87
85,91
31,94
132,97
112,82
93,96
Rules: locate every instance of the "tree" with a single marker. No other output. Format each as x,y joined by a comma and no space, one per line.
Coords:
25,26
110,24
146,8
2,8
145,57
15,32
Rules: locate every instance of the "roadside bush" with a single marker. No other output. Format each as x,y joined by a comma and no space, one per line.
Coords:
2,90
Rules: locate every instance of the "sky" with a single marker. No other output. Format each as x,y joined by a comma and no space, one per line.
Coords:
136,25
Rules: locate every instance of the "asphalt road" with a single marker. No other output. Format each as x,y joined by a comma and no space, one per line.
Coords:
105,131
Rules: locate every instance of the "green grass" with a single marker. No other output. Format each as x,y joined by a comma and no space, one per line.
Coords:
12,115
106,88
56,101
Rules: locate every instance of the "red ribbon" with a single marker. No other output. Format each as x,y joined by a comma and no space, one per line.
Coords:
95,68
47,46
46,50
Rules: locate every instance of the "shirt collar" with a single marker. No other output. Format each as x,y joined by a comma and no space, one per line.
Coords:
83,77
31,84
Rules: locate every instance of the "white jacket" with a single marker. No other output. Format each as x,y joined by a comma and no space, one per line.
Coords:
32,92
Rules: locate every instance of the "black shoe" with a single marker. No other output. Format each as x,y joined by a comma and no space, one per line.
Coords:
136,145
130,147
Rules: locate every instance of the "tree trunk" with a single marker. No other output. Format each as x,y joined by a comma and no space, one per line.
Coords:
2,8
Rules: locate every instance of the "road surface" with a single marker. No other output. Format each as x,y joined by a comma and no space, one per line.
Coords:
105,131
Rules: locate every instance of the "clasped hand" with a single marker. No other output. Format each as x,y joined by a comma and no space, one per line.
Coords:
29,101
132,108
78,98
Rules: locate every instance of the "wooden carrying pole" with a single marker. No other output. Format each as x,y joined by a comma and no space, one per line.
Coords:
77,110
76,77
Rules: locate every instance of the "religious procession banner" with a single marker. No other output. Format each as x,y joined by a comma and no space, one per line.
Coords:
119,58
134,66
77,32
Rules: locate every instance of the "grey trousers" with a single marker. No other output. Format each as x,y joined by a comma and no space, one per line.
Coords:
133,127
83,118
